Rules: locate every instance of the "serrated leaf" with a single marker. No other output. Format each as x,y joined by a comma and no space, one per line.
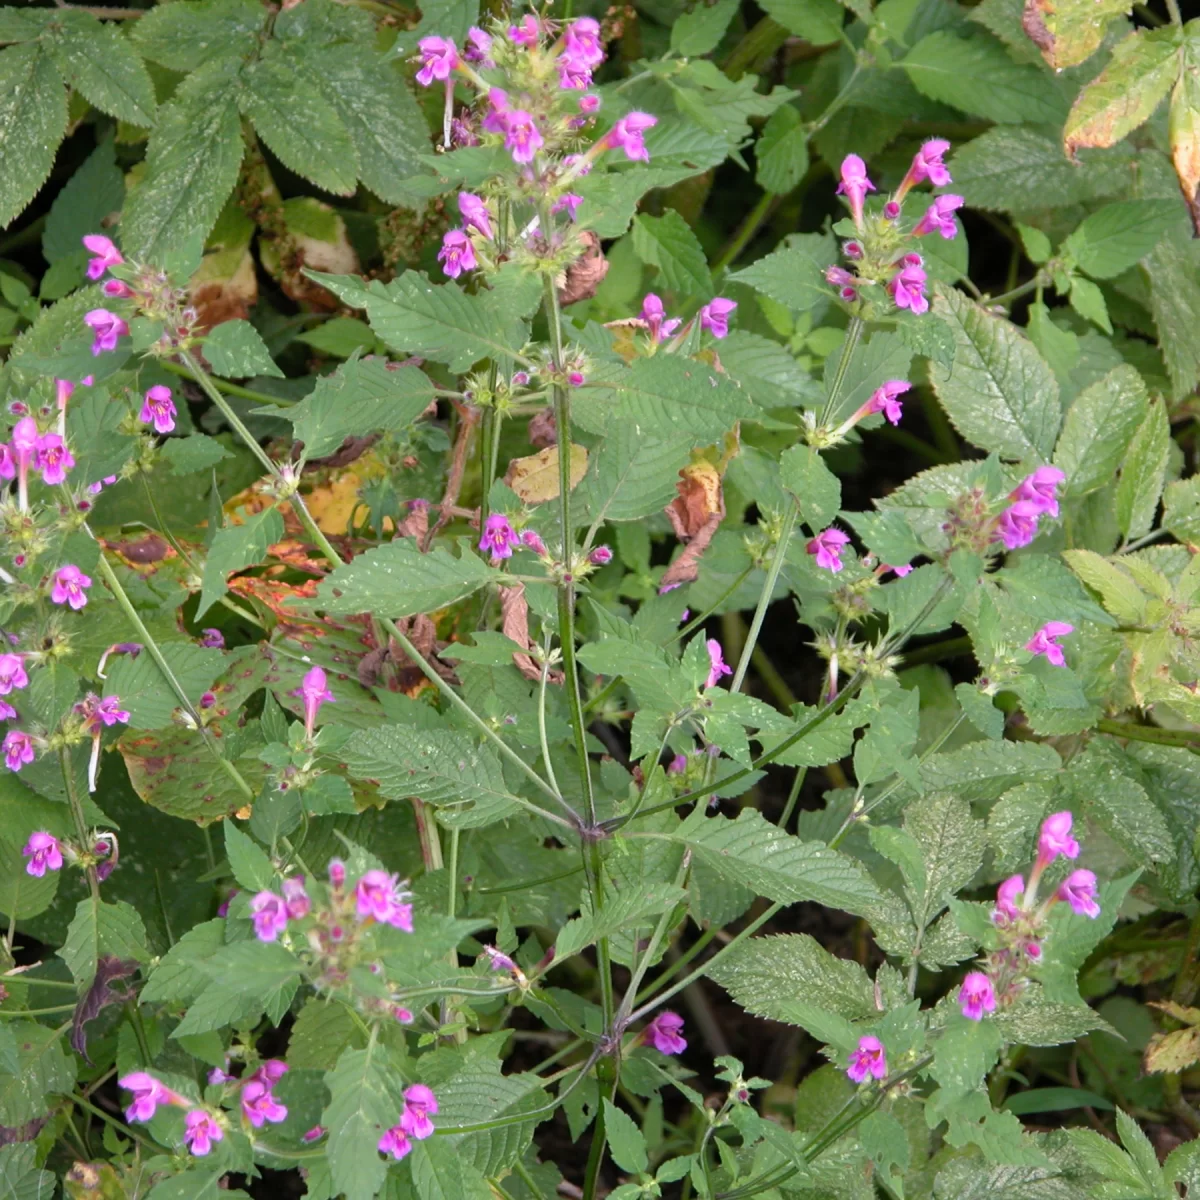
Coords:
767,371
1143,473
440,1173
144,690
1173,272
1138,76
20,1176
699,31
247,860
235,350
235,548
816,21
1119,594
668,243
1121,807
177,978
398,580
184,37
102,66
982,772
33,120
781,153
1000,393
322,1031
816,488
96,190
194,453
633,475
1069,31
626,1142
886,356
1117,236
101,928
44,1070
621,912
793,275
951,844
245,978
1097,430
366,1100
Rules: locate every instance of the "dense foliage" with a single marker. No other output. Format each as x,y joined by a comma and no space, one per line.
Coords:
564,636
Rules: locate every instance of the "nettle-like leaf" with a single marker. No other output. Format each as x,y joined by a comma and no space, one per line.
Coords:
33,120
366,1098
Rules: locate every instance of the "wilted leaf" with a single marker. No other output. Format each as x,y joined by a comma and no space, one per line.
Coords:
535,477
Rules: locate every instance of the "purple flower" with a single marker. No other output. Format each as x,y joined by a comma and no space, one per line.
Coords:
439,57
891,210
627,135
927,164
7,712
337,872
270,916
475,213
908,288
581,40
1040,489
1043,642
940,216
714,316
569,203
271,1072
105,254
457,254
419,1105
573,75
663,1033
217,1076
12,673
395,1142
69,586
855,185
54,460
976,996
1007,908
107,327
314,692
653,314
1055,839
25,440
44,853
117,289
296,898
260,1105
1017,525
62,393
521,136
108,712
600,557
677,765
869,1059
526,32
899,572
380,896
148,1094
479,46
498,961
717,666
314,1134
202,1130
158,408
531,541
498,102
213,639
498,537
8,462
589,104
1079,891
886,399
827,549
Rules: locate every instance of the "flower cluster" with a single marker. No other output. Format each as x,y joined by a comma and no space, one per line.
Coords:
1035,495
414,1125
882,252
713,317
1020,920
665,1033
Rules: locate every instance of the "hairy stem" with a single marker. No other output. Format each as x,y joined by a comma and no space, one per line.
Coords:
764,599
76,805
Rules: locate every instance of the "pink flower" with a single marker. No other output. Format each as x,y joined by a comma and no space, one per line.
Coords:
419,1105
1017,525
908,288
521,136
827,548
498,961
395,1142
117,289
717,665
855,185
69,586
589,104
1040,489
526,33
54,460
202,1130
479,46
869,1059
270,916
44,853
1055,839
569,203
158,408
839,277
457,254
107,327
1007,908
216,1076
677,765
315,1134
627,134
899,572
109,712
12,673
212,639
1043,642
927,164
25,439
260,1105
572,74
977,996
1079,891
337,872
531,541
439,57
600,557
105,254
7,712
148,1094
8,462
296,898
714,316
663,1033
314,692
498,102
271,1072
653,313
475,213
62,392
380,896
581,40
940,216
498,537
886,399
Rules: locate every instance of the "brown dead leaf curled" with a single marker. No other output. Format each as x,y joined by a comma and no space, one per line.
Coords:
585,274
695,515
514,609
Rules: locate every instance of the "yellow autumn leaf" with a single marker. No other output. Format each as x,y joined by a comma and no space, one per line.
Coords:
535,477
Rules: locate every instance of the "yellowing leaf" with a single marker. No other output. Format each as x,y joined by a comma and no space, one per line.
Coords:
1171,1053
1184,131
535,477
1069,31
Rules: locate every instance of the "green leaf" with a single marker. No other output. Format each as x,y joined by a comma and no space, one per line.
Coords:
1121,807
144,690
43,1071
1055,1099
754,853
982,772
102,66
244,979
20,1176
1173,272
235,548
235,350
816,21
247,860
699,31
443,767
396,579
976,75
1138,76
767,371
816,488
441,322
1143,473
322,1031
633,476
621,913
362,396
1098,428
99,928
626,1142
177,978
1039,1023
1000,393
793,275
1119,594
192,164
192,454
33,120
886,356
1088,301
951,843
668,243
1118,236
94,192
980,710
184,37
781,153
367,1098
440,1173
299,125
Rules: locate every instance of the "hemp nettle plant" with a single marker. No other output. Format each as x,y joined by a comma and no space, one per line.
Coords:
525,676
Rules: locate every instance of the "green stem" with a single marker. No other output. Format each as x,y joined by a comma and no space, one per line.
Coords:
119,1126
81,828
682,961
660,931
1149,733
759,43
696,622
1030,285
230,389
764,599
487,432
1173,10
745,232
139,1032
853,333
793,797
